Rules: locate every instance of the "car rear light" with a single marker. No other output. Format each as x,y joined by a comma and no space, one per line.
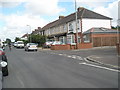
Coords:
1,52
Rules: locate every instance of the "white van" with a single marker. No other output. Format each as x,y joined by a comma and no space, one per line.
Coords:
20,44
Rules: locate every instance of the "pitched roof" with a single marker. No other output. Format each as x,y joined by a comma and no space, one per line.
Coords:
36,31
81,13
25,35
100,30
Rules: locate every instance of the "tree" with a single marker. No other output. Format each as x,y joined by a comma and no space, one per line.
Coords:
39,39
8,40
17,39
115,27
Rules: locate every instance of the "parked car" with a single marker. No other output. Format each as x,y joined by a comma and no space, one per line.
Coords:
5,44
20,44
15,44
3,63
47,44
31,46
57,43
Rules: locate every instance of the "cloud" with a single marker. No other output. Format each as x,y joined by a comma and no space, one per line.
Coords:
111,11
105,7
16,25
43,7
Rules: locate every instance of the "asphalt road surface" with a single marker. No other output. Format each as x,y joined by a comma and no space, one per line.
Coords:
43,69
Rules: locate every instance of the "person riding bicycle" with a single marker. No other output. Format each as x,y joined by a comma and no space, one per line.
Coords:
9,46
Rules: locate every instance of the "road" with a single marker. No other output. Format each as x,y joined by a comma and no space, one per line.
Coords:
44,69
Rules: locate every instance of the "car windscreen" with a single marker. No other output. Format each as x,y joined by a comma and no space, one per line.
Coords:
20,42
33,44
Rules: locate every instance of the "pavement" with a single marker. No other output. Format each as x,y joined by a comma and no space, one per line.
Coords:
111,60
106,60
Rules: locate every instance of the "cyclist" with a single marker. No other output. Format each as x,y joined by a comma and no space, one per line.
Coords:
9,46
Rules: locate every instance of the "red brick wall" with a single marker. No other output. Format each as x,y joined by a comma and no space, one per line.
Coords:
60,47
84,45
71,47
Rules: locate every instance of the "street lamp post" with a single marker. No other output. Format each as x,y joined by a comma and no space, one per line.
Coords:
30,34
118,39
76,24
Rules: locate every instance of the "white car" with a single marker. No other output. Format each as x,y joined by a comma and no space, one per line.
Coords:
15,44
47,44
57,43
31,46
20,44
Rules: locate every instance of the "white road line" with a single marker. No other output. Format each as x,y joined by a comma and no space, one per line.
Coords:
69,56
60,54
80,58
99,67
73,57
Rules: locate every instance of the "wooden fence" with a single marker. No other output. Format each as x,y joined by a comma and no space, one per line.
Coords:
104,41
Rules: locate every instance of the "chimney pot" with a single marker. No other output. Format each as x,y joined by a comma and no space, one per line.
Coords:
80,8
60,17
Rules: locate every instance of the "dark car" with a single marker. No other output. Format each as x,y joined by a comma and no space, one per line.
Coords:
3,63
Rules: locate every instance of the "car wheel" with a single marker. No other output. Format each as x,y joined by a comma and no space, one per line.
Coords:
5,71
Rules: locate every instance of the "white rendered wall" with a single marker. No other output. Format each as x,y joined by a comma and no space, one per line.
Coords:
89,23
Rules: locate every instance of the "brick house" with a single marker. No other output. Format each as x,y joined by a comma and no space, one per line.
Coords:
64,29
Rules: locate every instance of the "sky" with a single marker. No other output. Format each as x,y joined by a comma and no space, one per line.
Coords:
18,17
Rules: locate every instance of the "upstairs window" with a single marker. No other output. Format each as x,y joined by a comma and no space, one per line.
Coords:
70,27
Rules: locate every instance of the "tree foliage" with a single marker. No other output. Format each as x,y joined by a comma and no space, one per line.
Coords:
8,40
17,39
115,27
39,39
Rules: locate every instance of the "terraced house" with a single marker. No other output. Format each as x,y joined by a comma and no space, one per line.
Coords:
64,29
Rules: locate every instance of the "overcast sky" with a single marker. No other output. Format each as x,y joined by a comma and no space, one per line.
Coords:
15,15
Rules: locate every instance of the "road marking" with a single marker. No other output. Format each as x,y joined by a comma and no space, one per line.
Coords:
73,56
84,63
60,54
69,56
80,58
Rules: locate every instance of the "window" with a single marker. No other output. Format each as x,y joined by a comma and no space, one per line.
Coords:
65,28
86,38
63,39
70,39
78,25
70,27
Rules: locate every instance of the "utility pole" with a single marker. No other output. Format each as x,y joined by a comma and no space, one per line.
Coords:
30,34
76,25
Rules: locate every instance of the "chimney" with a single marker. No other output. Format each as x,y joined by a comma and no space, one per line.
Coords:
35,29
39,28
60,17
80,8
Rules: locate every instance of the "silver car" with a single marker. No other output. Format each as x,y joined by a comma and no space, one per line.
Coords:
31,47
